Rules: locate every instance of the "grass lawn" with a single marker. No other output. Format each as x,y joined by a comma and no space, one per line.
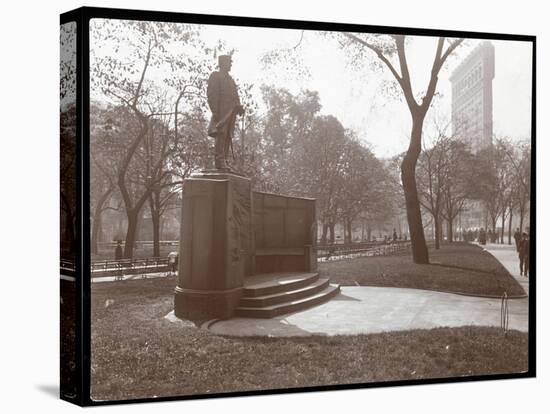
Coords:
136,353
457,268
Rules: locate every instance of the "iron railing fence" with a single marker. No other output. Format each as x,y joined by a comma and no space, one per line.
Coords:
325,252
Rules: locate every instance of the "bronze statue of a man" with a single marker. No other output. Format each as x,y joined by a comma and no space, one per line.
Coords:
224,102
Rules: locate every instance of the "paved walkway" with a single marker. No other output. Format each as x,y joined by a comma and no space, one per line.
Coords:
365,310
508,257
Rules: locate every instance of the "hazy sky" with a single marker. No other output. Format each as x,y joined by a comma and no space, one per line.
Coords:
355,95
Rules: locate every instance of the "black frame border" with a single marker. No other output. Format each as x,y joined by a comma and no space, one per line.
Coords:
76,16
82,17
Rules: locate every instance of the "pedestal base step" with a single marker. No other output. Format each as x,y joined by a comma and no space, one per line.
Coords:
271,283
272,295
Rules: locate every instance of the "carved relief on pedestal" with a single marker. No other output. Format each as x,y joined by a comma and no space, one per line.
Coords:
240,224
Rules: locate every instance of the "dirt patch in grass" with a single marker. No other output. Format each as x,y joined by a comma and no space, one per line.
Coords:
137,353
458,268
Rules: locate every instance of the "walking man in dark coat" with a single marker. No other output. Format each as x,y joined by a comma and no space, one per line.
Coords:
524,255
224,102
517,239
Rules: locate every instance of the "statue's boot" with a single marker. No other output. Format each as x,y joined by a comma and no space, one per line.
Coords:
220,163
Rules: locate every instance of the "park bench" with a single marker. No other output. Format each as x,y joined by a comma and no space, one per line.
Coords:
284,259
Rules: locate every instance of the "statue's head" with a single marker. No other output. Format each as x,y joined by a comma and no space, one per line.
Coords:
224,62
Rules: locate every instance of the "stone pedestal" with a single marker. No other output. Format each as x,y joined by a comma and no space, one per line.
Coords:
216,244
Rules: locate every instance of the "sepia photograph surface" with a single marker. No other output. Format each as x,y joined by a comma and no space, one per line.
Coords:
282,209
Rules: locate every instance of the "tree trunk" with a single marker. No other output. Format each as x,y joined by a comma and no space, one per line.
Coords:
324,234
437,225
101,231
331,229
347,231
96,226
120,226
408,177
521,217
502,222
369,233
345,228
510,228
131,232
450,230
346,234
154,208
155,219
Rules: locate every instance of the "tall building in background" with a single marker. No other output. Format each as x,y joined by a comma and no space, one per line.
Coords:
472,97
472,116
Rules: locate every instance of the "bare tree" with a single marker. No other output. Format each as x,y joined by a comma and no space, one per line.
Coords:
126,77
491,186
432,176
385,48
458,184
318,170
365,191
519,157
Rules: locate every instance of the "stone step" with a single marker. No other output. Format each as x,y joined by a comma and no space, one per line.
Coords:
272,283
289,307
287,296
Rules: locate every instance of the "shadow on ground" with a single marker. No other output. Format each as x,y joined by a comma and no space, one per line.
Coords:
49,389
341,296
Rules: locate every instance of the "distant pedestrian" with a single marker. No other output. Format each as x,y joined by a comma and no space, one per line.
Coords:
482,237
173,262
118,250
524,255
394,235
517,239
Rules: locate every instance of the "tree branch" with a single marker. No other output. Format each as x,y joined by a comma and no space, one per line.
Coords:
406,83
378,52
